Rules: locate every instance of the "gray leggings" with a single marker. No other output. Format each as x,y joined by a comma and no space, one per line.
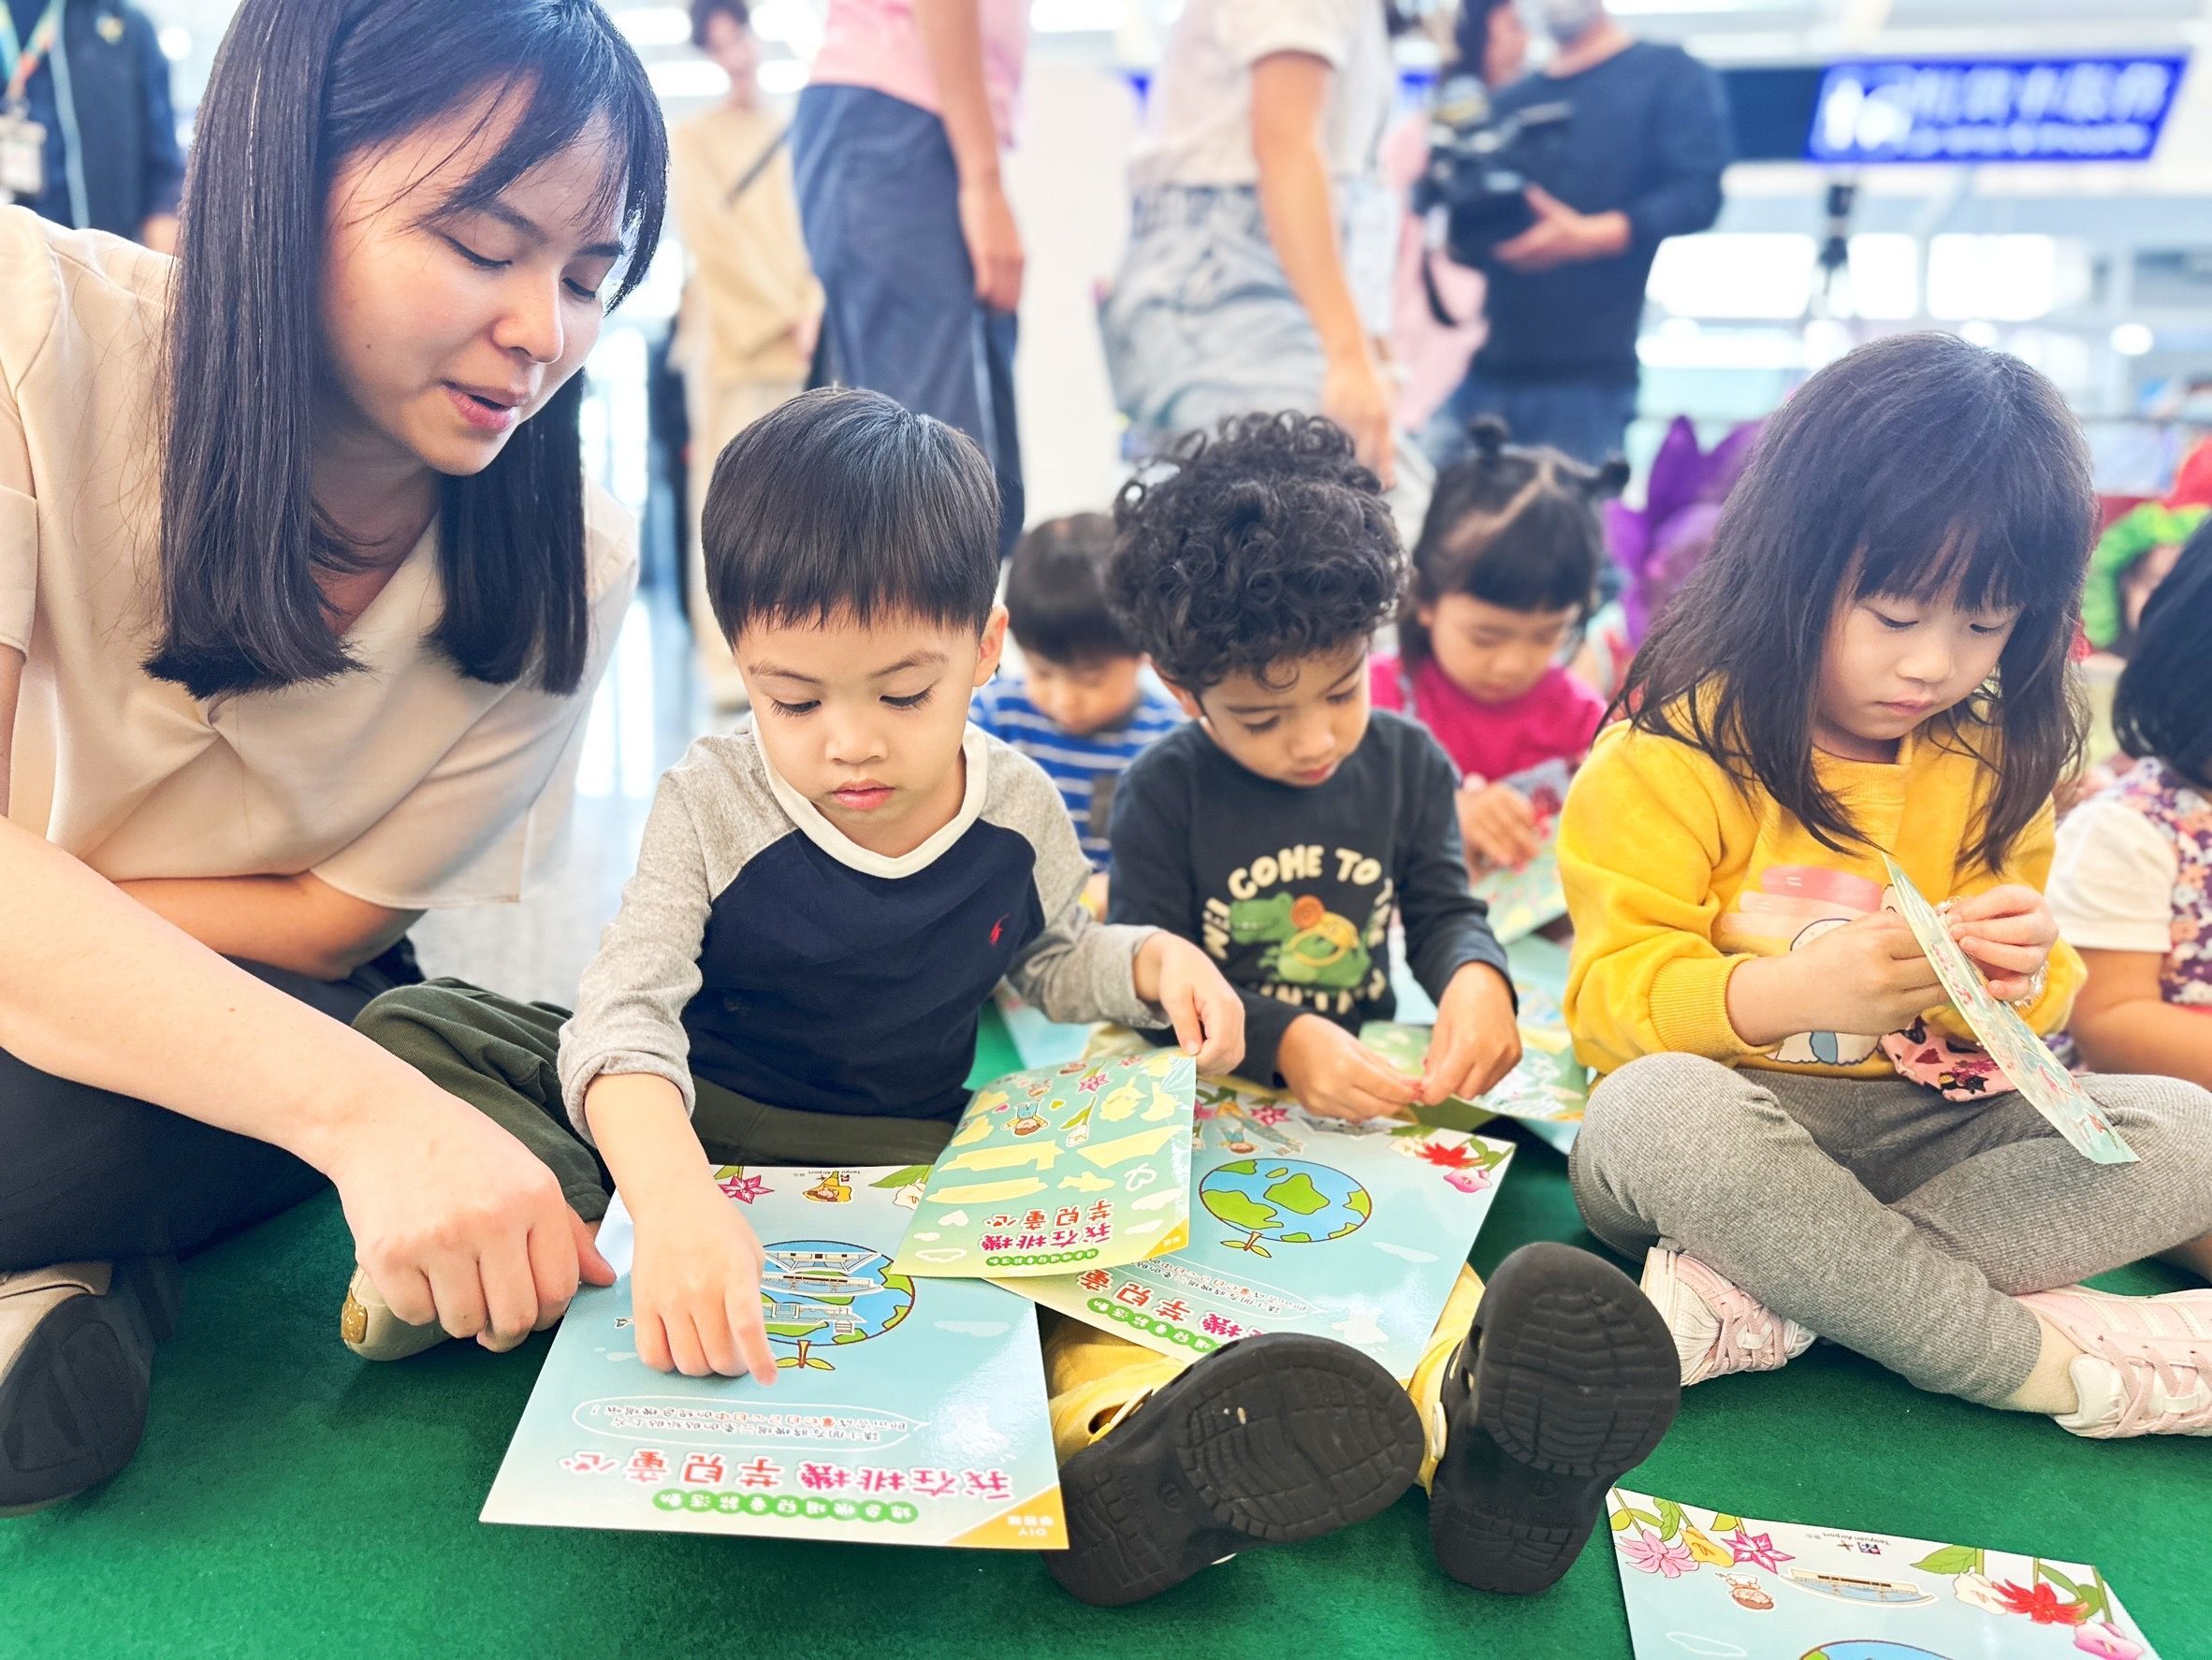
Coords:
1883,1216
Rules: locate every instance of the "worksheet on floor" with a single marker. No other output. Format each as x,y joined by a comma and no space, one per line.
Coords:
904,1411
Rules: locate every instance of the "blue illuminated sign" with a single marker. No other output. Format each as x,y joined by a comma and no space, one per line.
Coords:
2107,108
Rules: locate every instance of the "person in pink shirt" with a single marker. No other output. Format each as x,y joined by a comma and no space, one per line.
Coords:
895,152
1503,575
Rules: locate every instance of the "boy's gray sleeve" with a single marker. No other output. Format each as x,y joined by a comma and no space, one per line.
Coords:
1078,969
629,1015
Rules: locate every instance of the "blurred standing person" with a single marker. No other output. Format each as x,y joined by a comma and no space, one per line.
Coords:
897,148
1237,291
87,135
751,308
1639,160
1436,320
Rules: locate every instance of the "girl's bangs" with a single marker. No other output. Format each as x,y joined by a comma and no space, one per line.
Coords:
2019,540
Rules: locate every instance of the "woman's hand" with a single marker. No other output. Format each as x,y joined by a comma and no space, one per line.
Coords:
458,1223
1355,396
994,244
2008,932
1204,1009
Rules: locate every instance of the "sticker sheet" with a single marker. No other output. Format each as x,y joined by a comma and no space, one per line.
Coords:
1353,1231
1725,1587
2024,1058
1548,1089
905,1412
1527,896
1524,897
1085,1164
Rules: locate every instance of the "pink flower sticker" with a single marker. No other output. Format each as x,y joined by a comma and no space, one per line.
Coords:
1757,1547
2106,1642
1650,1555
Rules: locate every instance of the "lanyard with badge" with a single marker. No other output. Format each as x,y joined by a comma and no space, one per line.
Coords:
22,140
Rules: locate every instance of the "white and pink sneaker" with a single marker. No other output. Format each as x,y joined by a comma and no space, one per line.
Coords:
1718,1326
2146,1365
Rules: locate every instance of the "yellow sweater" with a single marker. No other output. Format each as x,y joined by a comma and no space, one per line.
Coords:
1674,876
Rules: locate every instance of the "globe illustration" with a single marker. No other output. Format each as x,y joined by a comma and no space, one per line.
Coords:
818,1293
1283,1201
1874,1649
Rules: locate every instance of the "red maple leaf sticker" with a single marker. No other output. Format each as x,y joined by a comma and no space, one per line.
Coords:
2039,1604
1450,1158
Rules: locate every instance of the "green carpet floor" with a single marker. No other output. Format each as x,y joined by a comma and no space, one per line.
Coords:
291,1500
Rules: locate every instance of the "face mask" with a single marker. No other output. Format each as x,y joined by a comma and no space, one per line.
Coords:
1566,20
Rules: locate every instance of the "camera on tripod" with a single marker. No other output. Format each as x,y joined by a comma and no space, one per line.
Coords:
1480,166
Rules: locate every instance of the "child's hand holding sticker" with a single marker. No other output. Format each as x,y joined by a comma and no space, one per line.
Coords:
2007,932
2028,1065
1476,1039
1201,1006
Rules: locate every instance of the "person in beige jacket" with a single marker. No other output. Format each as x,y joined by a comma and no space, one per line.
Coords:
751,307
304,593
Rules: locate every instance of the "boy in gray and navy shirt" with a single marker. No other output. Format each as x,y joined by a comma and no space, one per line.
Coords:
823,900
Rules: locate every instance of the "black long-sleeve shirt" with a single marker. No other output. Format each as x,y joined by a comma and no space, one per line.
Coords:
1649,136
1290,889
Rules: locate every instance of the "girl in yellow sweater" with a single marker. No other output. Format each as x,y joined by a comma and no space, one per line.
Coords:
1793,1125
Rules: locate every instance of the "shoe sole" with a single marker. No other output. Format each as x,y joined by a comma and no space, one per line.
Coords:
1575,1381
1273,1439
73,1402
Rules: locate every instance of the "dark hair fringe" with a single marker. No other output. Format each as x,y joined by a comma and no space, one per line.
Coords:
1056,592
1917,467
1265,543
1470,36
1515,527
2164,703
842,503
298,87
704,12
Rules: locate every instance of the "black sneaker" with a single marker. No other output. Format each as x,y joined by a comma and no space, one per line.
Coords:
1270,1439
1566,1379
76,1359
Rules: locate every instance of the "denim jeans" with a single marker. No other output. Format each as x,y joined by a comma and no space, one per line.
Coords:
880,206
1585,419
1202,324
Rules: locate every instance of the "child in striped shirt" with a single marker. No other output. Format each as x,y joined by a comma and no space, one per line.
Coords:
1080,710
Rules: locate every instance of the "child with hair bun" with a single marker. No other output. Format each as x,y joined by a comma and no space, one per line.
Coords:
1505,574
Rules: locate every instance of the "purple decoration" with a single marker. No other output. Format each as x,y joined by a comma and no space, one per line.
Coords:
1661,544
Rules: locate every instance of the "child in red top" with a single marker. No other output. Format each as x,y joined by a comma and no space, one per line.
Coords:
1504,575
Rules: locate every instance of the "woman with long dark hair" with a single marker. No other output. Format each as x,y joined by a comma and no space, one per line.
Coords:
303,598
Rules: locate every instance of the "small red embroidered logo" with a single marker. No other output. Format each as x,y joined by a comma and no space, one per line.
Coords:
998,930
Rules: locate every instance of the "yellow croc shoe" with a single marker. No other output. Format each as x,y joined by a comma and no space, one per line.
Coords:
373,1331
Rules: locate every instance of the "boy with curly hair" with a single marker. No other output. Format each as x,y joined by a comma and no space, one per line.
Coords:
1284,825
1279,830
